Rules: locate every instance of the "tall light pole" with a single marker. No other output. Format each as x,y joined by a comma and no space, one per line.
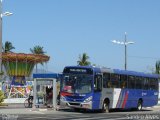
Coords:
125,43
1,16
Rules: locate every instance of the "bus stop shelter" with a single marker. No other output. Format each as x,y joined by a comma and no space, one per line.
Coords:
42,78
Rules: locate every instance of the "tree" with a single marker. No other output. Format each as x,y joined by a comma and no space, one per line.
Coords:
83,60
158,67
37,50
1,96
8,47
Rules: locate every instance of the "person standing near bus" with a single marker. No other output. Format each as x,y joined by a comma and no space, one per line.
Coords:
30,99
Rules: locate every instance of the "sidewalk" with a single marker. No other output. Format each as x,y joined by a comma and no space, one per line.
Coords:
155,108
20,109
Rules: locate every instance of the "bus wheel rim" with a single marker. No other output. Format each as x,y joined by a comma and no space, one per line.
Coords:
105,107
139,106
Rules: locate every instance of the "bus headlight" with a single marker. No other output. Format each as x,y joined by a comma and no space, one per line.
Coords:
63,98
88,99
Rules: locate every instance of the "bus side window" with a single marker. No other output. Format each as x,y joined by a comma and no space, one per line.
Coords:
153,84
139,82
123,81
106,80
123,84
131,82
146,84
98,83
114,80
109,85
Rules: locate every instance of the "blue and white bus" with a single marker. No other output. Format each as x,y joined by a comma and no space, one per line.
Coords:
89,87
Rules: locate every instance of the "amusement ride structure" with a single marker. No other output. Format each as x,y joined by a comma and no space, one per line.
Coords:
19,66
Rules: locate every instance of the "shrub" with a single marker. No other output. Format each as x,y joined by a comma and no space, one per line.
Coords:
1,96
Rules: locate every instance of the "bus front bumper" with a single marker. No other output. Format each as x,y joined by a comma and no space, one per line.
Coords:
82,105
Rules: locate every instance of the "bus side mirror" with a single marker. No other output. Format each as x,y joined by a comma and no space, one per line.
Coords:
97,90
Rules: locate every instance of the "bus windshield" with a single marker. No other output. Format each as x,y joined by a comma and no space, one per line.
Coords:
77,83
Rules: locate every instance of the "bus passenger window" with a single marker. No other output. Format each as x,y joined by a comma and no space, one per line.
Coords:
131,82
109,85
114,80
153,84
106,79
123,81
146,84
139,82
123,84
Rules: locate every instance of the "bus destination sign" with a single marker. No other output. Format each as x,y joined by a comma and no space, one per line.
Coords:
78,70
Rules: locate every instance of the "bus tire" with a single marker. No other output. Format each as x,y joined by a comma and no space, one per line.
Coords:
77,109
139,105
105,107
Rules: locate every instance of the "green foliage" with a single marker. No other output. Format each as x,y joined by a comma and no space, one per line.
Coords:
83,60
37,50
1,97
158,67
1,73
8,47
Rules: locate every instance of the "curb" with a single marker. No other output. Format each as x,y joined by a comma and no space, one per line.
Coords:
157,106
43,110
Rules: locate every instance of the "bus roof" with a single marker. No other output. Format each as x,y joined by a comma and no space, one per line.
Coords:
117,71
124,72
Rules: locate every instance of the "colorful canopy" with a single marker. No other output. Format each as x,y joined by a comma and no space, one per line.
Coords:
35,58
20,64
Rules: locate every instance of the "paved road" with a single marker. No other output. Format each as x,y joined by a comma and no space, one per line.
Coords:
18,112
74,117
70,115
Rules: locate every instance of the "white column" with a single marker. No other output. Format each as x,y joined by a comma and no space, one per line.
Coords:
34,93
54,94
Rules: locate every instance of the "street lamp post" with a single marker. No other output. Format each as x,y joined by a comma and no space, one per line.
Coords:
125,40
0,36
1,16
125,43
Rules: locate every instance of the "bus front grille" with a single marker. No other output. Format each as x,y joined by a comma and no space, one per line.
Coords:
77,104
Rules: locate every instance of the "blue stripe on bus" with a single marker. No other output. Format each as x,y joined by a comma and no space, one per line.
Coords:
96,100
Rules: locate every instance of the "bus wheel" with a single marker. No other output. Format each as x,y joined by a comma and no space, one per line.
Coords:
139,106
105,107
77,109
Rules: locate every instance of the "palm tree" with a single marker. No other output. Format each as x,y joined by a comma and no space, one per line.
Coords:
37,50
158,67
8,47
83,60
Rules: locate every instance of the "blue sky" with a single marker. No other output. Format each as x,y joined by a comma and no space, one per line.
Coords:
68,28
